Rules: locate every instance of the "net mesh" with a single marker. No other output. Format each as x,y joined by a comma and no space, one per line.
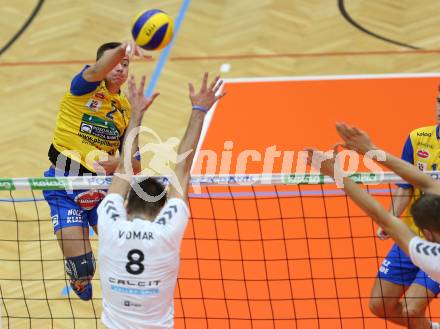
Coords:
260,256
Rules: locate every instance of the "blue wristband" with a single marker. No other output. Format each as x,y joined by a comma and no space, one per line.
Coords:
200,108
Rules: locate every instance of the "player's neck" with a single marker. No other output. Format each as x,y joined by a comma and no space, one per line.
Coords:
139,215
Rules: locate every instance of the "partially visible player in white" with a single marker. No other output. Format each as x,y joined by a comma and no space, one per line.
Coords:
139,240
425,210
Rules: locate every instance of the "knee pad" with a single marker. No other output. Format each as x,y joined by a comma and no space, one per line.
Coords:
80,267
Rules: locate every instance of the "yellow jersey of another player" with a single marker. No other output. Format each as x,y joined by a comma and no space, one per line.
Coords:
422,148
91,120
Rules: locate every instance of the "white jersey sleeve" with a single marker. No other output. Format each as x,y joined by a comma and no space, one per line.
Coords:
110,210
426,255
172,220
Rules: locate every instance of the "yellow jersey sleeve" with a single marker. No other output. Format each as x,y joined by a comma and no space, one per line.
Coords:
88,125
426,156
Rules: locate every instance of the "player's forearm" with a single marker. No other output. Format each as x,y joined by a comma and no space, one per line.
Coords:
411,174
366,202
105,64
400,200
131,143
391,224
190,139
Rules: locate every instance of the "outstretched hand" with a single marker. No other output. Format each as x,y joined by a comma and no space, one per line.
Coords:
321,161
138,101
206,97
355,139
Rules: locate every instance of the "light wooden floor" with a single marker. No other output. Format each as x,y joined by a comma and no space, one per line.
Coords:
256,37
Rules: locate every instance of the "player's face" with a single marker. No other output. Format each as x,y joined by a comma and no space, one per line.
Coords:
119,74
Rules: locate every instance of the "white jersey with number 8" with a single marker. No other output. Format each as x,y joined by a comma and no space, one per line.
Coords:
139,264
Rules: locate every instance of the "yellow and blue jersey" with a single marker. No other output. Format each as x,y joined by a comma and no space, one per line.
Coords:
90,120
422,149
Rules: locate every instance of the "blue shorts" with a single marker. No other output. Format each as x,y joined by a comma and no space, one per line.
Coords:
398,268
72,208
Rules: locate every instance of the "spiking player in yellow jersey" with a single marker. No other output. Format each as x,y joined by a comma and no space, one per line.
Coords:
89,130
397,273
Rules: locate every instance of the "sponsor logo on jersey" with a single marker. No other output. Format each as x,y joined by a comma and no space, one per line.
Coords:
89,199
94,104
133,283
429,146
422,154
128,303
424,134
99,127
86,128
145,288
131,291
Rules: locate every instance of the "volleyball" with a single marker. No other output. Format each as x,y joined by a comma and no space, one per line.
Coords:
152,29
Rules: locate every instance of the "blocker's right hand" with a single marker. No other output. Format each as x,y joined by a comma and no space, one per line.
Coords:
381,234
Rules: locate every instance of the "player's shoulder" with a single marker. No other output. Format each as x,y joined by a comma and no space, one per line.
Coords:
174,207
111,203
177,204
419,247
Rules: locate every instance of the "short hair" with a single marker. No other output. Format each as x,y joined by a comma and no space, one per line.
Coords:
106,46
152,187
426,212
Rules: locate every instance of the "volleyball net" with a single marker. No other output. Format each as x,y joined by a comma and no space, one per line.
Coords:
279,251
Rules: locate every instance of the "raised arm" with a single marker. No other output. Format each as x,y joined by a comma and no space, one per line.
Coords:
424,254
201,104
357,140
139,105
391,224
109,59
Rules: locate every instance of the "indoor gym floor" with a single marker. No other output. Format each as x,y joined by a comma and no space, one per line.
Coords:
314,40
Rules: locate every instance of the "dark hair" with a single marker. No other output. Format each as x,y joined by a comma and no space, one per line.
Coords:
152,187
106,46
426,212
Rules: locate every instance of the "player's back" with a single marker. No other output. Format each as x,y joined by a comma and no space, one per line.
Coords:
139,264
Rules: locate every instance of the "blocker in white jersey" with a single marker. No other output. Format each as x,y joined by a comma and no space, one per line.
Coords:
140,231
139,264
